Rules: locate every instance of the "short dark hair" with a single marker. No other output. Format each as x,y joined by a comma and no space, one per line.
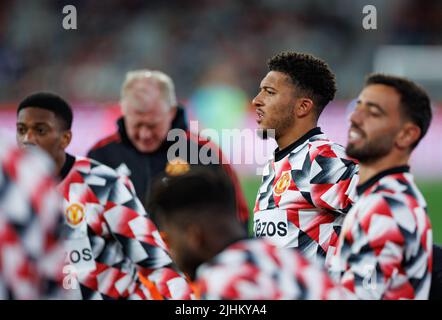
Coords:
312,76
202,192
51,102
415,102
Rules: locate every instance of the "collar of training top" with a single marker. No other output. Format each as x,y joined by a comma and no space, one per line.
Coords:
67,166
179,122
363,187
280,154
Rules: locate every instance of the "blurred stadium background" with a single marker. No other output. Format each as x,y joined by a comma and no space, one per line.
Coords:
215,50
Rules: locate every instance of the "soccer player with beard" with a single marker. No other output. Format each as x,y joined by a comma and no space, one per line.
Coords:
112,244
309,185
385,247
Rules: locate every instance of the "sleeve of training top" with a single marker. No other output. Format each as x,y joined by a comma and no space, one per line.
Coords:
140,239
373,247
31,246
333,177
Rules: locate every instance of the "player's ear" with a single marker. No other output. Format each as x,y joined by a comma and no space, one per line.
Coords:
196,237
408,135
66,138
304,107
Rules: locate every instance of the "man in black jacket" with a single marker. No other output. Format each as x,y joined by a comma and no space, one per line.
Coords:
139,148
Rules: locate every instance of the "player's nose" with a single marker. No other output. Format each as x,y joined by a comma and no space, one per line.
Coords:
356,117
257,102
29,138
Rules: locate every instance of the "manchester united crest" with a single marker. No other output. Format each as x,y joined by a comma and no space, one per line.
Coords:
74,214
177,167
282,184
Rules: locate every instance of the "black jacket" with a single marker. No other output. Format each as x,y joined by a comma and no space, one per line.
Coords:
117,149
436,277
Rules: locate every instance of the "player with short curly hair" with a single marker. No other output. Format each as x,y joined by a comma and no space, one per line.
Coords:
309,185
310,75
214,250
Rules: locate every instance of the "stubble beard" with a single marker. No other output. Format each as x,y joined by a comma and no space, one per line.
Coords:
279,127
371,151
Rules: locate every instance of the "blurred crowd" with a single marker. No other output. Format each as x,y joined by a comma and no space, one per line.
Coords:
197,42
